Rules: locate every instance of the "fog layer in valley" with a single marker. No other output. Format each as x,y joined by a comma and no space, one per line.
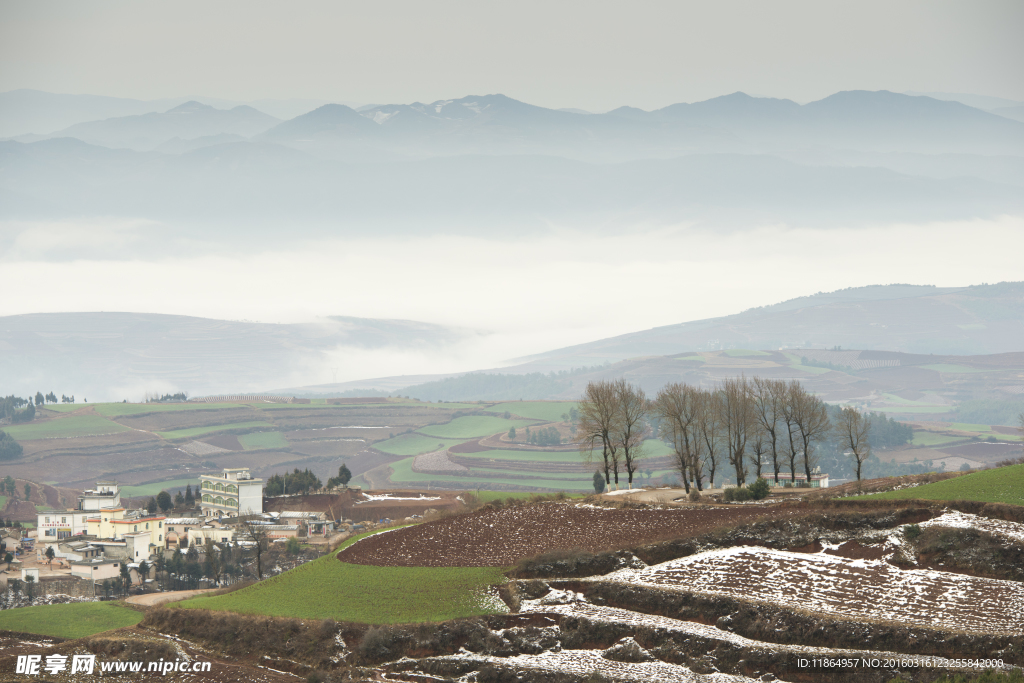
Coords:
508,229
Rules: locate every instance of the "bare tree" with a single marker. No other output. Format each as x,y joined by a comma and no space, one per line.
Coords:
758,443
788,409
597,423
710,427
253,527
767,397
677,405
812,423
851,431
736,417
632,408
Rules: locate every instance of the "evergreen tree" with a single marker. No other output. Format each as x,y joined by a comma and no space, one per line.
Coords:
190,501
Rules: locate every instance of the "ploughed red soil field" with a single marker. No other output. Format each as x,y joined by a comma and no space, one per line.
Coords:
500,538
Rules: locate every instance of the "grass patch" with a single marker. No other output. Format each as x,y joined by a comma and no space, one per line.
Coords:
966,427
156,487
933,439
951,369
549,411
329,589
121,409
694,358
796,364
524,456
473,426
1000,485
739,353
261,440
911,409
65,427
199,431
414,444
3,502
402,472
64,407
71,620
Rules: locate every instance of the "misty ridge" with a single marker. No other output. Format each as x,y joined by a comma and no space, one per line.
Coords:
484,165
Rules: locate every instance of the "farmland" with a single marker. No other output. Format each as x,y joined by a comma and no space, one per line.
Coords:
65,427
502,537
473,426
858,589
200,431
1002,485
329,589
71,620
261,440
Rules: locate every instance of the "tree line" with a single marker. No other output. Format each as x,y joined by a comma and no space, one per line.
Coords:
747,427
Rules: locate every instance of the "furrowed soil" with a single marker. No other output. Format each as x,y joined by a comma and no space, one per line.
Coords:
501,537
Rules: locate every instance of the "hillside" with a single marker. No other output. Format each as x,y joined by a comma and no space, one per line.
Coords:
906,318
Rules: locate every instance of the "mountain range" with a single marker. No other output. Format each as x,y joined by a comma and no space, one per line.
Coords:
490,163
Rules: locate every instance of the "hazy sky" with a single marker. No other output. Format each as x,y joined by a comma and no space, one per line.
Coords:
575,53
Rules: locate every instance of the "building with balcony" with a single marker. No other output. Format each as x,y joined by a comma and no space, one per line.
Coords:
107,494
231,493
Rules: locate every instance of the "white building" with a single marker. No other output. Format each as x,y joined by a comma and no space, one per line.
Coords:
232,493
56,525
107,494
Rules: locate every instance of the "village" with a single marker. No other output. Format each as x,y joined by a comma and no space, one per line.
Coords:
103,549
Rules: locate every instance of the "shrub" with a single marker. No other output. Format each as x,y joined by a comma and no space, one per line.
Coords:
912,531
694,495
760,489
741,493
598,483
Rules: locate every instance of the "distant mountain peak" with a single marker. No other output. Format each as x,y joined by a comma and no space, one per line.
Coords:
192,106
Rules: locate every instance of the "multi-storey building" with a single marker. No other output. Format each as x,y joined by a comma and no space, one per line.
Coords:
231,493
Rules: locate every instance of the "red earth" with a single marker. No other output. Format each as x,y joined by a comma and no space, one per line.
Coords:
502,537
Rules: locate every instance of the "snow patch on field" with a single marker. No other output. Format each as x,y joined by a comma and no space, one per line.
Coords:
964,520
622,491
584,662
387,496
860,589
572,604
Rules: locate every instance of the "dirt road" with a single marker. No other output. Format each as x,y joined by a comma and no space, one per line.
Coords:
151,599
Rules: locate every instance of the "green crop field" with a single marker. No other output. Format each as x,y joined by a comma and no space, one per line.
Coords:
121,409
70,620
3,502
472,426
199,431
911,409
261,440
965,427
414,444
739,353
66,407
525,456
1000,485
329,589
956,369
933,439
402,472
65,427
549,411
156,487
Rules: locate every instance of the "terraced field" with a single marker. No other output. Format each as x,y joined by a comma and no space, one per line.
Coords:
858,589
65,427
